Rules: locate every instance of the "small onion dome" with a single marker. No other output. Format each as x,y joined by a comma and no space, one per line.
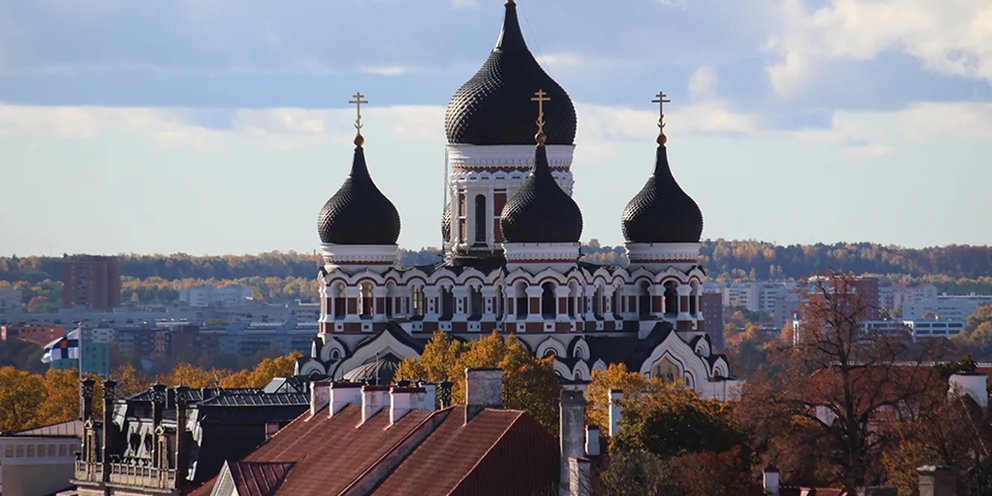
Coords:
541,212
378,371
494,107
662,212
359,214
446,223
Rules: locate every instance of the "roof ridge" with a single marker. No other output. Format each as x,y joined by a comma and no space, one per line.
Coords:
519,415
396,446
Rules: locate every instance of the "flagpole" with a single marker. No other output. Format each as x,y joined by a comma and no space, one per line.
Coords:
80,361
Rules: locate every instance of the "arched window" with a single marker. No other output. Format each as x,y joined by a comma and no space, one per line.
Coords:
480,219
499,302
390,295
694,298
475,302
340,305
418,301
367,303
549,305
573,297
335,354
615,304
597,302
447,303
523,306
644,299
671,298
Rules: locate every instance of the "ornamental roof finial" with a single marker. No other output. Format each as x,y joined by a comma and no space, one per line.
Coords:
540,97
661,99
359,140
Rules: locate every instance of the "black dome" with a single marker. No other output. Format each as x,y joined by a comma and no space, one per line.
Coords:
541,212
494,107
376,372
662,212
359,214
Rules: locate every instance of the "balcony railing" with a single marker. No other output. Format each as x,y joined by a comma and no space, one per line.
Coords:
127,475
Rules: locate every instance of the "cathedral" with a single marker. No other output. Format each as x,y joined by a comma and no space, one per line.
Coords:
511,261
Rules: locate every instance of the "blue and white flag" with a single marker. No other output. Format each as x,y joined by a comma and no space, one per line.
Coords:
62,348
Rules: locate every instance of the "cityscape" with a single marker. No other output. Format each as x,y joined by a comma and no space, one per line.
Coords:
591,317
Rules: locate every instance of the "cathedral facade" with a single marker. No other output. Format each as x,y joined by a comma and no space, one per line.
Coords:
511,250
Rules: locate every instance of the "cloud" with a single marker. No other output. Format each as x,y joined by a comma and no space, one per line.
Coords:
702,84
387,70
950,37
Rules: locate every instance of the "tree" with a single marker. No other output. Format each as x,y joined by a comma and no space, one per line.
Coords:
21,394
61,397
188,375
529,383
263,373
842,380
615,377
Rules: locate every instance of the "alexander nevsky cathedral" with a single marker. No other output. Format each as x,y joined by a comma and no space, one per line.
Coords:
511,250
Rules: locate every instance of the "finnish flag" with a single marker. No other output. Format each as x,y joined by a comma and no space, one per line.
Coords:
62,348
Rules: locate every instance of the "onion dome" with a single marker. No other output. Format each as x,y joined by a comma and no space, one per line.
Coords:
378,371
662,212
359,214
493,107
541,212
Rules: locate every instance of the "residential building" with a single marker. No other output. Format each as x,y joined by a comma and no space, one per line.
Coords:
163,441
893,296
206,295
37,334
92,282
39,461
945,307
10,300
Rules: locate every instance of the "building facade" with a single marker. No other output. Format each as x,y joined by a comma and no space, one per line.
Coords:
206,295
511,247
92,282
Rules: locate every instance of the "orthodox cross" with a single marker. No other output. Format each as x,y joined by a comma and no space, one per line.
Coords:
661,100
358,108
540,97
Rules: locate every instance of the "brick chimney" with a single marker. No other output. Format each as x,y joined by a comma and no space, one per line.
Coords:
770,481
483,389
374,398
404,399
343,393
320,396
86,399
937,480
616,397
571,427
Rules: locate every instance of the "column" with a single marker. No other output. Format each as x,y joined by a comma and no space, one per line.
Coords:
561,303
460,295
534,303
432,300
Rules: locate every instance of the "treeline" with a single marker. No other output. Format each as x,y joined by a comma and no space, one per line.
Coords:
954,268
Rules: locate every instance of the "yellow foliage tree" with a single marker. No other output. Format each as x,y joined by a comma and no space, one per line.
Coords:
615,377
264,372
188,375
21,393
529,383
61,397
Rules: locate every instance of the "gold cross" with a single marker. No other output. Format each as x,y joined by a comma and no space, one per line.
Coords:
540,97
661,100
358,108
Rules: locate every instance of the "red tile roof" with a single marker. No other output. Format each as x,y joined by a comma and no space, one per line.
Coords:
258,479
331,454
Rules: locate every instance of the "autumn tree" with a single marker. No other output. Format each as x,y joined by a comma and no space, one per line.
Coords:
188,375
21,394
61,397
842,380
529,383
263,373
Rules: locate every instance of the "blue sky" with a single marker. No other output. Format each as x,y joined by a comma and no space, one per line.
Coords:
222,126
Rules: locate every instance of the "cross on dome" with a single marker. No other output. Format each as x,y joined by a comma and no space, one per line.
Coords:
540,97
358,116
661,99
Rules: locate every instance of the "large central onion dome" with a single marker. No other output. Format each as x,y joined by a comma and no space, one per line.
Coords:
662,212
541,212
359,214
493,108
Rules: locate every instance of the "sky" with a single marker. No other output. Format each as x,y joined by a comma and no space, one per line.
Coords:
221,126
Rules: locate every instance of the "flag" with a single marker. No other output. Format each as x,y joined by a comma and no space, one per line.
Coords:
63,348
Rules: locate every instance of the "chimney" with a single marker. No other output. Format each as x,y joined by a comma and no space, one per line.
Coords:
86,399
109,390
769,480
182,398
483,389
320,396
159,400
579,477
374,398
592,440
616,397
571,427
937,480
974,385
343,393
444,394
404,399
